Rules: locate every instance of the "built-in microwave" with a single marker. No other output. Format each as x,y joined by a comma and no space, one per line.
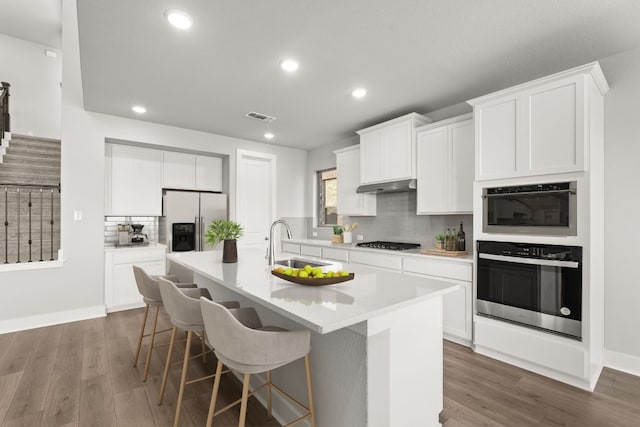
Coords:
535,209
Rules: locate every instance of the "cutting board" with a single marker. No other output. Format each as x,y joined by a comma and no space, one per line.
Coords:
443,252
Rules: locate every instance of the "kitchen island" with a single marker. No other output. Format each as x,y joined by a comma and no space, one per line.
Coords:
376,342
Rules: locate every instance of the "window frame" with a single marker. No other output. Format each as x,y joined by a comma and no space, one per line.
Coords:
319,197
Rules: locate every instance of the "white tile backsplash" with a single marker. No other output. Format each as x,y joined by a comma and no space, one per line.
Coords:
397,221
111,227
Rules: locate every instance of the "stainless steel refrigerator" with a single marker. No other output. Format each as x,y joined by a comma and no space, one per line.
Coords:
186,217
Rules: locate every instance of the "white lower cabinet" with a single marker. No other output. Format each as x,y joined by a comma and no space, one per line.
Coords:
390,262
312,251
291,248
121,291
457,305
335,254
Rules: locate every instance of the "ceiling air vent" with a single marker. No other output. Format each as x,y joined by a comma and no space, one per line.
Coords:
260,116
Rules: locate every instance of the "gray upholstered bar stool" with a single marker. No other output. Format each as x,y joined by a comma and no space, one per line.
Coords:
184,312
247,347
148,288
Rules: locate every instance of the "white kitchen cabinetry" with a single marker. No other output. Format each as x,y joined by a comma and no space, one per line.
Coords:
121,291
538,128
348,168
291,248
445,166
377,260
133,181
388,150
192,172
208,173
179,170
457,305
335,254
312,251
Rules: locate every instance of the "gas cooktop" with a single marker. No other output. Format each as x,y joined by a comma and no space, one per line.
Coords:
391,246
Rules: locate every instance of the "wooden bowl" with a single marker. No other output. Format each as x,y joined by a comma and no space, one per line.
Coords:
310,281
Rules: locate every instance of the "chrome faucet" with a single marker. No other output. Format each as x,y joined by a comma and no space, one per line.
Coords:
271,249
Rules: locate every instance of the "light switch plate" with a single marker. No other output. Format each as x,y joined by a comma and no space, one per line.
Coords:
314,233
77,215
360,237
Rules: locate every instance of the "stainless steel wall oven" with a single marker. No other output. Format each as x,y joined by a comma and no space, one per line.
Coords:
537,209
535,285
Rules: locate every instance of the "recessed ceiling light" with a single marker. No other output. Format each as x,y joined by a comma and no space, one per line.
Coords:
289,65
139,109
359,92
179,19
269,135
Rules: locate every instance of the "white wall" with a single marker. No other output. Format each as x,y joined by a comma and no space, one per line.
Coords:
622,207
32,298
35,87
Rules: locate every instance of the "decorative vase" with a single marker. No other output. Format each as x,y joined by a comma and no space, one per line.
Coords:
230,251
439,244
336,238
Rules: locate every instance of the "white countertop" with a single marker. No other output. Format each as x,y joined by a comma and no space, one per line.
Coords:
352,247
322,309
109,248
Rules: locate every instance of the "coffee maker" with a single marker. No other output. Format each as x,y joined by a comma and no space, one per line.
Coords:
138,236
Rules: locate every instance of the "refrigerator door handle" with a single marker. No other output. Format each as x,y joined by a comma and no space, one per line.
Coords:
197,239
202,233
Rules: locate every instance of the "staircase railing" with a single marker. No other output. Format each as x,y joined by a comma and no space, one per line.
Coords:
28,210
5,118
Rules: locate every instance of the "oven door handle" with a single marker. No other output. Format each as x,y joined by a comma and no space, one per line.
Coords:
529,193
532,261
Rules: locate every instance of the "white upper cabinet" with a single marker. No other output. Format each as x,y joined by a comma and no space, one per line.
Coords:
179,170
537,128
133,181
208,173
445,166
192,172
388,150
348,168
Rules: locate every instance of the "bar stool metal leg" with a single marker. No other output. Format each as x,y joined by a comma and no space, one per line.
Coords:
144,325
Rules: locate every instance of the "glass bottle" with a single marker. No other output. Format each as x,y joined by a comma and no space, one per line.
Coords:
450,240
461,241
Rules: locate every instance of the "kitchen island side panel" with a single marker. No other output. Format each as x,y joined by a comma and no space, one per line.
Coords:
338,369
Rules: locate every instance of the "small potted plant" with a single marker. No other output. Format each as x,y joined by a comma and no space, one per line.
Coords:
440,241
227,231
337,234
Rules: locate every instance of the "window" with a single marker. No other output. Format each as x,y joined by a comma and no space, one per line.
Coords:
327,197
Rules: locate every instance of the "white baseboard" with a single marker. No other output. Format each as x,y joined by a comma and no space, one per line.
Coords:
50,319
622,362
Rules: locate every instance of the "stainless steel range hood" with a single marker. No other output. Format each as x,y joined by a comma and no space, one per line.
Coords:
388,187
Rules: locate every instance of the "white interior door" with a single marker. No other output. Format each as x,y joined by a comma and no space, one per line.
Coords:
255,198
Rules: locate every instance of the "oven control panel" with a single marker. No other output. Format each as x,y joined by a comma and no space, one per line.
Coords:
529,250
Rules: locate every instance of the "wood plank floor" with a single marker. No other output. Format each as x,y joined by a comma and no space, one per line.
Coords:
81,374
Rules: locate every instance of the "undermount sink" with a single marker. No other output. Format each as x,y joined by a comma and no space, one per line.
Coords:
300,263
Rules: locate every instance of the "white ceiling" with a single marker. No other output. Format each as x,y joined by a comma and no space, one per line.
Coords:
412,55
36,21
